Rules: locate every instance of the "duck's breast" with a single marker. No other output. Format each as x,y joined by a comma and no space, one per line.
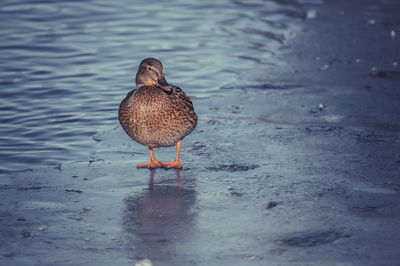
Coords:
155,118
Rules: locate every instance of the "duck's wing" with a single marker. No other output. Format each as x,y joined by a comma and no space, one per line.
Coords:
128,96
180,95
123,110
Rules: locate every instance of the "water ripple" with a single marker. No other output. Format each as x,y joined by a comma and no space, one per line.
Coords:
66,65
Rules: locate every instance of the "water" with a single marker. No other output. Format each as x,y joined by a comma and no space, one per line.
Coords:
66,65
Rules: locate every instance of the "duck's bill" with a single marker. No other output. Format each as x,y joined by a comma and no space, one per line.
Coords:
162,82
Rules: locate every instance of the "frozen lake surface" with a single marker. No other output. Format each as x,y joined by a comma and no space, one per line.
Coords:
295,160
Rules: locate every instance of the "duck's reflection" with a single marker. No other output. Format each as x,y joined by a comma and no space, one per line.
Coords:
159,219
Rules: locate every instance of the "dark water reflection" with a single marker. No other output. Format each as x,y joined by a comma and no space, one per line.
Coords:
160,220
65,65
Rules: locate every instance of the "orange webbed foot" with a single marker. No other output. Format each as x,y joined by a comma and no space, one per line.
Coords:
173,164
150,165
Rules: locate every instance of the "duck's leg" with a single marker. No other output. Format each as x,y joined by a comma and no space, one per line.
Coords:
176,163
154,163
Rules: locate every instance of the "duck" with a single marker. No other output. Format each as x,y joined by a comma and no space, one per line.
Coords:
157,114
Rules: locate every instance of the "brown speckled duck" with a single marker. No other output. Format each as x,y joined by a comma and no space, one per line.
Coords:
157,114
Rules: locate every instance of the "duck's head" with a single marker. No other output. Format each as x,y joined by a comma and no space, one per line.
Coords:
150,72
